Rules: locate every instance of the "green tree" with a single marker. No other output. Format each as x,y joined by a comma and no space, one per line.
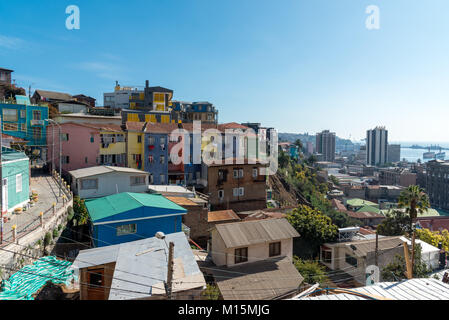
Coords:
312,159
334,180
211,292
314,227
396,270
81,213
434,237
299,144
396,223
311,270
415,201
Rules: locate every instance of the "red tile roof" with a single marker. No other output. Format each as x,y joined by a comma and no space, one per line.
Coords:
364,215
337,204
434,223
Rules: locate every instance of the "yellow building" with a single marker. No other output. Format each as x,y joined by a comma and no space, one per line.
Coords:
135,145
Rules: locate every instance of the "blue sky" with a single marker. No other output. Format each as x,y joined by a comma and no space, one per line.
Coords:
296,65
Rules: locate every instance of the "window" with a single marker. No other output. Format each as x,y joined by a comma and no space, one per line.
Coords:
9,115
238,173
89,184
126,229
255,173
23,114
221,194
150,178
162,159
162,178
64,136
65,159
37,132
18,182
151,141
9,126
241,191
275,249
139,139
162,140
91,138
241,255
137,180
36,115
85,160
96,278
222,175
23,127
150,159
326,256
351,260
235,192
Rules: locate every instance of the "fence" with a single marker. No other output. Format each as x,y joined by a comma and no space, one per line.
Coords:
16,233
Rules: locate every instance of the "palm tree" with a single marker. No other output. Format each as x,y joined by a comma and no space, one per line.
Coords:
415,201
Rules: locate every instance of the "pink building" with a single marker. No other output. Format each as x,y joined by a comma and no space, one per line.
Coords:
86,145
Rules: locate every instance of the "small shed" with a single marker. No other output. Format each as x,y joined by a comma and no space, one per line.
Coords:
101,181
127,216
137,270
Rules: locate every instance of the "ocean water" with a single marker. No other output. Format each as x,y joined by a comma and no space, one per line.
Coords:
412,155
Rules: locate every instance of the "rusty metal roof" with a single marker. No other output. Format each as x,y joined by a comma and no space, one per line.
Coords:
222,215
262,280
238,234
182,201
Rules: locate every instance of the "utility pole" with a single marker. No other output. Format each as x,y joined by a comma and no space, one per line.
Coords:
376,252
409,271
413,249
170,269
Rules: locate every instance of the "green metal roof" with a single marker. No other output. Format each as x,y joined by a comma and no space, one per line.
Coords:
368,209
121,202
356,202
428,213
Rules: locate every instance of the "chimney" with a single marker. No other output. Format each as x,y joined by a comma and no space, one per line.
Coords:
147,83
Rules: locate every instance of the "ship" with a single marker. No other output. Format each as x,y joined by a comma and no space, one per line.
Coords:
440,155
428,155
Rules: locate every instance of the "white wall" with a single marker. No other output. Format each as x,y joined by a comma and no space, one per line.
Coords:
73,108
225,256
109,183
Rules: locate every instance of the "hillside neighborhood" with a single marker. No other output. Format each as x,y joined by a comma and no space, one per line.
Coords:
150,198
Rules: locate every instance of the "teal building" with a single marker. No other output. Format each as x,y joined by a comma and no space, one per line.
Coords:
15,178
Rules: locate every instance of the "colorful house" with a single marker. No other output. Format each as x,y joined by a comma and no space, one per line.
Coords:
16,179
152,105
125,217
101,144
25,121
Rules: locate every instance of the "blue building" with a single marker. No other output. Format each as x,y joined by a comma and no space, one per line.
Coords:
125,217
25,121
156,157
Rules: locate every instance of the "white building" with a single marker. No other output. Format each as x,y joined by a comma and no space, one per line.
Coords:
101,181
376,146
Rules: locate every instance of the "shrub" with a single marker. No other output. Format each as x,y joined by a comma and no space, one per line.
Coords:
311,270
47,239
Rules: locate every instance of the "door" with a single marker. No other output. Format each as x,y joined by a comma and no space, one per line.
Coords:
5,195
95,286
